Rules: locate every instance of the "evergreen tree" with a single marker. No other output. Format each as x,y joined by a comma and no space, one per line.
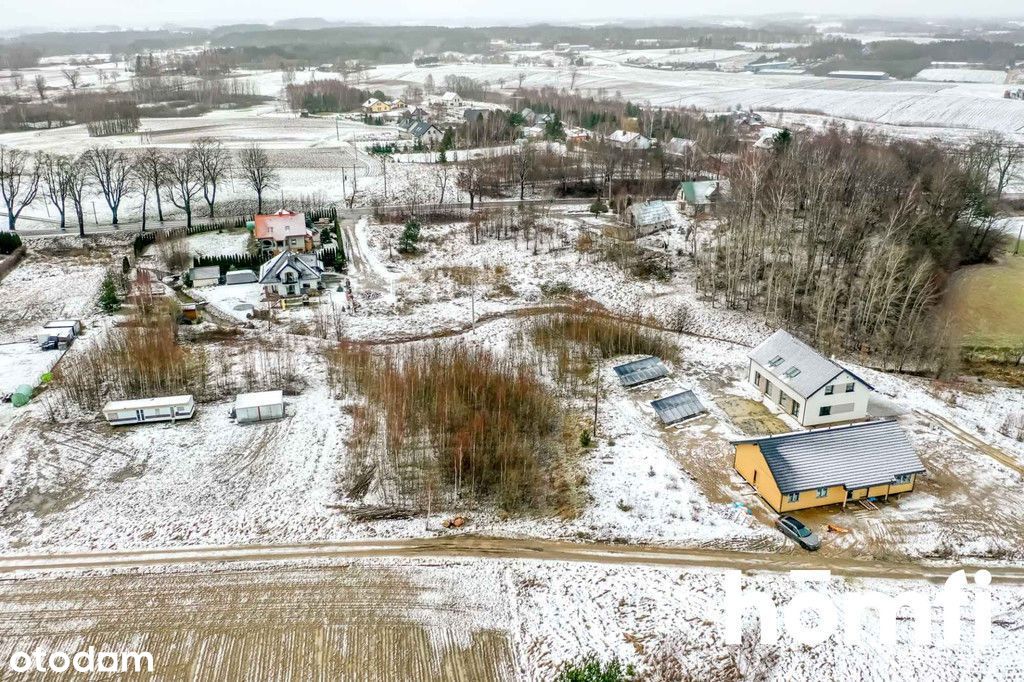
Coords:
408,242
109,302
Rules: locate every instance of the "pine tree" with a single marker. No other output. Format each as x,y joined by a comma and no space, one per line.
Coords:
109,302
410,238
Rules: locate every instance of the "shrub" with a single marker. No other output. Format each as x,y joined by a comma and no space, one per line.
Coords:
9,242
591,670
585,439
109,302
409,241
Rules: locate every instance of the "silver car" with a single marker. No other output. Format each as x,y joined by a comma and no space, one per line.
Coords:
798,532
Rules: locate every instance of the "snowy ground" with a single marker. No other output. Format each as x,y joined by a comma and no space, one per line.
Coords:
23,363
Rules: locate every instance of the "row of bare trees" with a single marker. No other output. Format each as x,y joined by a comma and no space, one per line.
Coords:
184,178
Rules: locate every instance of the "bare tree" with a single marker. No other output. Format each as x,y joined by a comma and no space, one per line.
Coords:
469,181
574,71
1009,156
40,83
155,163
143,181
79,182
214,164
112,170
442,178
18,80
522,164
184,181
56,172
19,182
257,170
73,76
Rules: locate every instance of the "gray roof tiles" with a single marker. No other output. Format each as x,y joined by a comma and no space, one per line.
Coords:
854,456
801,368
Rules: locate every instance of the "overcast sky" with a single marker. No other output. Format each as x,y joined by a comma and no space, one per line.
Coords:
147,13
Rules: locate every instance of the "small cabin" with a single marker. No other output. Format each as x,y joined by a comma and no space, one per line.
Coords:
205,276
165,409
258,407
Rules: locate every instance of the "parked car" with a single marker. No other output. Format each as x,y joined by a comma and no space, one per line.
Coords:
798,532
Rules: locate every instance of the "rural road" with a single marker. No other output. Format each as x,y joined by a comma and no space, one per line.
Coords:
483,547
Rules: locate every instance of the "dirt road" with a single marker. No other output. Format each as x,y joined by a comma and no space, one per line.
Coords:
470,546
973,441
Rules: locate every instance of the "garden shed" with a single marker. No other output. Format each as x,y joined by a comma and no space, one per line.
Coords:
257,407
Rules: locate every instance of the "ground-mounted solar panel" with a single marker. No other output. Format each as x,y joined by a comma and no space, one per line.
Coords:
676,408
641,371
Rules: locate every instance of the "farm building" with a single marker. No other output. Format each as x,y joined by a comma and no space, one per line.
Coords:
291,274
169,408
697,196
206,276
649,217
860,75
678,407
806,384
641,371
475,115
284,230
829,466
240,277
257,407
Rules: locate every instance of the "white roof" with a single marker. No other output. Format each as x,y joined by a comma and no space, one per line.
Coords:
144,403
259,399
56,324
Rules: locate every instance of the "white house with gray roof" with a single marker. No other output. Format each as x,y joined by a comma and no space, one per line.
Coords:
805,384
291,274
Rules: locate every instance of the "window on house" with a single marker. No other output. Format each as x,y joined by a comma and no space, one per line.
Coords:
793,497
757,378
776,361
825,411
829,390
822,492
794,409
791,372
902,478
849,387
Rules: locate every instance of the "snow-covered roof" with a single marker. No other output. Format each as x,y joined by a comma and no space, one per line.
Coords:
451,97
206,272
623,136
370,102
853,456
650,213
279,226
794,364
699,192
147,403
680,145
258,399
308,267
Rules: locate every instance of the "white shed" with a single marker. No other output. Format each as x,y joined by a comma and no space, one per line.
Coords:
165,409
240,277
257,407
74,325
206,276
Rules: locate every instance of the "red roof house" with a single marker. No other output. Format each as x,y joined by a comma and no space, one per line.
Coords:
284,230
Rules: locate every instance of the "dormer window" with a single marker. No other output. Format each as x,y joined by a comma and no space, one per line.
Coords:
791,372
776,361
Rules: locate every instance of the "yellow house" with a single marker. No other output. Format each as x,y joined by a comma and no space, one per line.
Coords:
375,106
817,468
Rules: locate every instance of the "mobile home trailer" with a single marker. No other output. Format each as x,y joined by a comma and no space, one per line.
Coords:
168,408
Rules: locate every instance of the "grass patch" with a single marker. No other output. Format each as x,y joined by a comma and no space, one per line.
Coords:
987,303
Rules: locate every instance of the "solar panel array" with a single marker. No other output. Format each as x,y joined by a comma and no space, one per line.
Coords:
675,408
641,371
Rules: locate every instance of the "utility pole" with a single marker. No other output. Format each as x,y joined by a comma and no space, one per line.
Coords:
597,395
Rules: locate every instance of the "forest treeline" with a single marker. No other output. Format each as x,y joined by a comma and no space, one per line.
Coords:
850,239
